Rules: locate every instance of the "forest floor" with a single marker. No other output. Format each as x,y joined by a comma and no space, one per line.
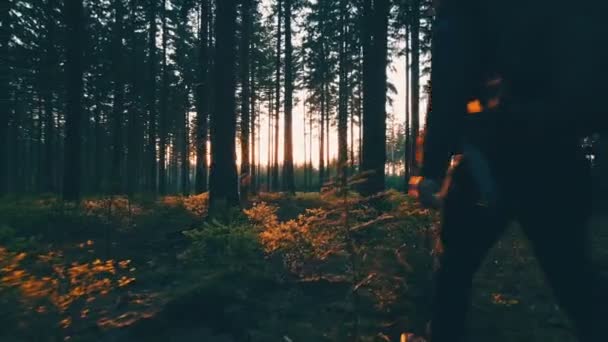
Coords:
305,268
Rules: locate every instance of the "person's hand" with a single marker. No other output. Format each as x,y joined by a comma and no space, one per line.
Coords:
426,190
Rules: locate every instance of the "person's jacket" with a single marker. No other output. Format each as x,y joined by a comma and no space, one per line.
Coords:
472,39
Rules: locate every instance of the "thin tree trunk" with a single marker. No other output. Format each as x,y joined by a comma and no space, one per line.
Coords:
48,74
49,143
352,135
269,163
162,171
342,100
152,162
13,144
98,151
275,168
327,134
322,140
40,149
288,173
202,118
310,168
185,152
245,95
74,73
408,149
306,151
415,76
360,109
5,103
134,134
254,118
174,143
118,98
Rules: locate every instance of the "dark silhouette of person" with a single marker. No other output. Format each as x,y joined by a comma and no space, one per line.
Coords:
531,148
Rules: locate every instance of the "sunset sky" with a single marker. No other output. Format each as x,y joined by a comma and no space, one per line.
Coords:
396,74
301,147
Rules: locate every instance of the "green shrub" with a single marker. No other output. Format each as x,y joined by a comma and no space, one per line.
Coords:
226,247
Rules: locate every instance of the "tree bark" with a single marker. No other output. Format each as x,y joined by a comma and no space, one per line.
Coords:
48,74
408,147
135,133
322,140
202,114
415,77
342,99
164,93
254,118
245,94
269,163
152,162
223,184
275,167
74,69
118,98
375,39
5,102
288,174
185,151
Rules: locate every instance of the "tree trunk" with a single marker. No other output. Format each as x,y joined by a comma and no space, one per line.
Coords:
74,72
118,98
310,168
49,143
322,140
275,168
306,150
408,146
39,147
152,163
202,118
174,143
254,118
269,163
415,77
223,184
5,102
99,150
288,175
375,83
13,144
135,134
352,134
185,152
327,132
342,100
48,75
162,170
360,110
245,95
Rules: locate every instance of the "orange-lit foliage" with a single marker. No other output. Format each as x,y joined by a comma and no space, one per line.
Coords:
197,204
64,286
116,206
347,240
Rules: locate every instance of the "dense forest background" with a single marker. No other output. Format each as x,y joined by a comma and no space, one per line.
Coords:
134,96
